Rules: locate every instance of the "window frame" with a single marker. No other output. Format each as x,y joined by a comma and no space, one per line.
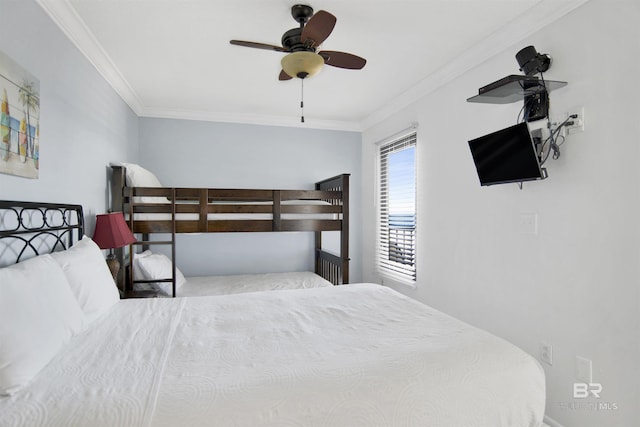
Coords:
399,274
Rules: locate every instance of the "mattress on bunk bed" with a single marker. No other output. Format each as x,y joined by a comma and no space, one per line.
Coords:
242,283
240,216
152,267
357,355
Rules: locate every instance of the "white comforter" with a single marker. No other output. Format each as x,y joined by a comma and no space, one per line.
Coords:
240,283
356,355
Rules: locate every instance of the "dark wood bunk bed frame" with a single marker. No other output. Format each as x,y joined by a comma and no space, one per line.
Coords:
171,202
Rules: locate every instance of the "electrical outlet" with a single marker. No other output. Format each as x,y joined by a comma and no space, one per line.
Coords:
578,123
546,353
584,370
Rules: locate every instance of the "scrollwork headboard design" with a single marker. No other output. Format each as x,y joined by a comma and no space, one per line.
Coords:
29,229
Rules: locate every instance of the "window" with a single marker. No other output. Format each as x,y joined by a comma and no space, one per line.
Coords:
397,209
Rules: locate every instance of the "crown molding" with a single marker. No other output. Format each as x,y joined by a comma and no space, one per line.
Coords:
535,19
256,119
67,19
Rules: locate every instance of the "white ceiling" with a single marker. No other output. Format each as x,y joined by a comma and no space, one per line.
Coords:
172,58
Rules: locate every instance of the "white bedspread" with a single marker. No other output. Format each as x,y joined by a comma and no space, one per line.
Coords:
356,355
241,283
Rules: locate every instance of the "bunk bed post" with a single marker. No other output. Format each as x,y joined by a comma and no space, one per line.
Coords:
331,267
173,243
277,210
117,205
344,233
117,184
203,201
316,251
129,283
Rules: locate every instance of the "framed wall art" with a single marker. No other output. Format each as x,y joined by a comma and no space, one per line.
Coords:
19,120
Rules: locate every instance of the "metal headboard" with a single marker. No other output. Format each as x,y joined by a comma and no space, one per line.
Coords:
29,229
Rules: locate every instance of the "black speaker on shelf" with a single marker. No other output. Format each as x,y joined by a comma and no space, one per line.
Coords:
532,62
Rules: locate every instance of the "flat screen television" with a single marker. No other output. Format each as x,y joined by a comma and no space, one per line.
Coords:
507,155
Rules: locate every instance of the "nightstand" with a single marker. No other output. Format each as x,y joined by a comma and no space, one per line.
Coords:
139,294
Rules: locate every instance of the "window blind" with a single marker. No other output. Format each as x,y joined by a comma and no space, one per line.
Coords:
397,208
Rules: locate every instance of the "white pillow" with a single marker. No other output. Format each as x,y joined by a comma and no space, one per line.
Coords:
89,277
137,176
156,267
138,275
38,315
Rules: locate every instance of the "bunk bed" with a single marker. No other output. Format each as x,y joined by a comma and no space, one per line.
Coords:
153,209
357,355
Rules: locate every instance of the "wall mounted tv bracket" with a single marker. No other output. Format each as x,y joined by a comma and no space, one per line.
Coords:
533,90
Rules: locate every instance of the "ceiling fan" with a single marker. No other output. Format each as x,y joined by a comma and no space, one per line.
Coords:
301,44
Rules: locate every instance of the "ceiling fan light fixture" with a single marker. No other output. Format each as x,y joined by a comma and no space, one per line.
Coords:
302,64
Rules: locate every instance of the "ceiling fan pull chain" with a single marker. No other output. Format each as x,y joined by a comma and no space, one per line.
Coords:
302,100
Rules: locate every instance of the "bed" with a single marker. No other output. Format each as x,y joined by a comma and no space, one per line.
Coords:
358,355
150,268
152,209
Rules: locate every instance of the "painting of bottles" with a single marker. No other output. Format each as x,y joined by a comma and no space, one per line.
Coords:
19,120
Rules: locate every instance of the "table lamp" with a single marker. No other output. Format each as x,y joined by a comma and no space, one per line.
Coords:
112,232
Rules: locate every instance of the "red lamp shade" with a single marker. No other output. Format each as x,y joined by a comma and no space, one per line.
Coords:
112,231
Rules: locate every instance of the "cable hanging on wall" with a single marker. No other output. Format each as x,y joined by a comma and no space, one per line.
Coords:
536,106
517,153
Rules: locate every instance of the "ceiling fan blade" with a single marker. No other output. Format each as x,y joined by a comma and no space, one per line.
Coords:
318,28
342,59
258,45
284,76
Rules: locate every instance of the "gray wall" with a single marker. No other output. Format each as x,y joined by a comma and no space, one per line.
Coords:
574,284
204,154
84,124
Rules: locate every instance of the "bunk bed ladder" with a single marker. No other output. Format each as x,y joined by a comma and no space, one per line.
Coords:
146,242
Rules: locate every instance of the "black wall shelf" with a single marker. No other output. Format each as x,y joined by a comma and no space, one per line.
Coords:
513,88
